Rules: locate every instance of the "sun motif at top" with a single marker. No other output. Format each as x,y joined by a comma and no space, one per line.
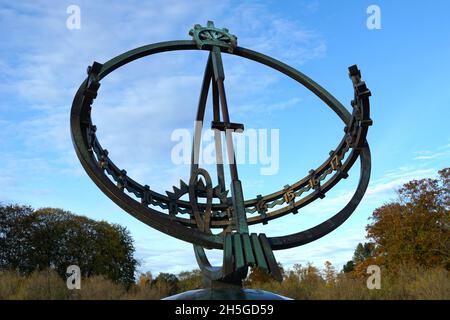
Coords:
210,35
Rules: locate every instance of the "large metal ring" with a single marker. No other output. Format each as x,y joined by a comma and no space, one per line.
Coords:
95,161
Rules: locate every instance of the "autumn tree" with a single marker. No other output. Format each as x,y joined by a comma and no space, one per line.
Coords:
259,275
309,278
189,280
329,273
145,279
416,228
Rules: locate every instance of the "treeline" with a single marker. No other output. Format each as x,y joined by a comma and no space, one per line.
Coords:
409,239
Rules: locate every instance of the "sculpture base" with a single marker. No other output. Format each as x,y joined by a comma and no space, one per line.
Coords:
226,294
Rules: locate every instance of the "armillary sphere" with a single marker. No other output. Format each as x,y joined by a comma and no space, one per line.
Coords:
193,220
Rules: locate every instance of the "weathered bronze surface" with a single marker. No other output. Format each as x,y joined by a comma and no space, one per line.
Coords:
193,220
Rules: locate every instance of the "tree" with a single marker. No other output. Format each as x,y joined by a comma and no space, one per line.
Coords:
416,228
145,279
362,253
329,273
309,278
54,238
258,275
189,280
12,231
167,280
349,267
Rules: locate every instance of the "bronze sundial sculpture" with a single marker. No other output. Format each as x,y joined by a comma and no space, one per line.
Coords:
193,220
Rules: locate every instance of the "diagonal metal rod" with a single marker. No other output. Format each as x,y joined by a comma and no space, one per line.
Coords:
219,77
218,138
200,115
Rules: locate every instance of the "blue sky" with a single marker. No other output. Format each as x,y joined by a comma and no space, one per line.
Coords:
42,62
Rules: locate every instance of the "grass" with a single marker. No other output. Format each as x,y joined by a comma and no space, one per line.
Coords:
405,283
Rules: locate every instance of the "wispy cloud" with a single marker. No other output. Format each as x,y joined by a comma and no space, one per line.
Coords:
428,155
395,179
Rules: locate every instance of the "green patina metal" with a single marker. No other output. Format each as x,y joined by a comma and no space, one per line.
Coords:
248,250
193,220
259,253
210,35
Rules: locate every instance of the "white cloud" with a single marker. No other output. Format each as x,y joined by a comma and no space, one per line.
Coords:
395,179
